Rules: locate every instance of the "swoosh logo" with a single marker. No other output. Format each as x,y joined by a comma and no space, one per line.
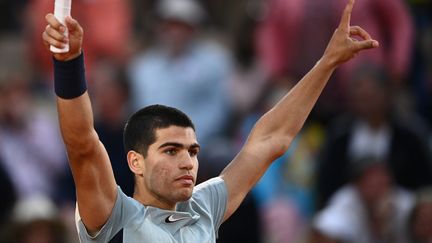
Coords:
172,219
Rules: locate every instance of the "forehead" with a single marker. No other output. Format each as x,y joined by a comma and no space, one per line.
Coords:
184,135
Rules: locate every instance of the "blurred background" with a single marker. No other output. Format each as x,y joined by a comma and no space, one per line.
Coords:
359,171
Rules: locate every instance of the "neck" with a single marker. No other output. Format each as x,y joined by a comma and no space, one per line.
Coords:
147,198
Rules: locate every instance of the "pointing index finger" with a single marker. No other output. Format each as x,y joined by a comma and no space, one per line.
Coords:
346,16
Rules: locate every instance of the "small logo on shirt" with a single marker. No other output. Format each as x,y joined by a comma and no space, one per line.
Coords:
172,219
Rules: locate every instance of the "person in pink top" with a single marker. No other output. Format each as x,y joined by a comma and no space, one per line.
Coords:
285,31
108,24
294,33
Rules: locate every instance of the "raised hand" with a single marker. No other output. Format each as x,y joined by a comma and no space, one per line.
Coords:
53,35
342,46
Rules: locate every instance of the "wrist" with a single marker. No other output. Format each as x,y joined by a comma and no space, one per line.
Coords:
69,77
74,56
328,63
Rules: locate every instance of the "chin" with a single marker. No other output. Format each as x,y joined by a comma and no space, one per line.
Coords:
184,195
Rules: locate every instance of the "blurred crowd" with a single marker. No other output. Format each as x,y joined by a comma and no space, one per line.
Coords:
359,171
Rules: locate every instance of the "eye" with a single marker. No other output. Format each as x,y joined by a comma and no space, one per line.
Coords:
193,152
170,151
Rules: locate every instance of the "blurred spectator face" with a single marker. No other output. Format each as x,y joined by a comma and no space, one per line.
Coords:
39,232
179,20
110,96
35,220
15,102
422,222
176,34
374,184
369,99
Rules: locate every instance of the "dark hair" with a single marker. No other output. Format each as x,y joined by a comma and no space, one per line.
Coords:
140,130
375,72
357,166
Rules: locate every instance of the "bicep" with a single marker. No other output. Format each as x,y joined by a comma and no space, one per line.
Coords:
246,169
95,185
89,161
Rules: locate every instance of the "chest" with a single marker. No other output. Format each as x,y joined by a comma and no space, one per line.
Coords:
176,232
167,227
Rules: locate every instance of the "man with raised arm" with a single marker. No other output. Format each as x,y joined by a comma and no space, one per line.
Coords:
162,150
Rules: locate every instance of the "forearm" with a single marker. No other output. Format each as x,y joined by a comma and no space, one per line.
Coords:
288,116
76,121
73,104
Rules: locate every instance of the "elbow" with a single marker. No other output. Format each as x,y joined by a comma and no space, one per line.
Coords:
274,140
275,145
283,140
275,137
80,145
281,146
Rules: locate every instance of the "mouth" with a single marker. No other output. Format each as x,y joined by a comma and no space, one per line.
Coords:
186,180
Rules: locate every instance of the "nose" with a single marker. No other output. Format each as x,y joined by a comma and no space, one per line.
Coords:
187,162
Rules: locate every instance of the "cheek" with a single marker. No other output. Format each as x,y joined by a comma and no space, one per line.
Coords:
160,176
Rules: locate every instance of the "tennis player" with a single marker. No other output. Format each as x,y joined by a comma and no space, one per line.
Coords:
163,149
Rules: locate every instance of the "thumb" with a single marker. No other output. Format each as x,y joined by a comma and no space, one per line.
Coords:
366,44
71,24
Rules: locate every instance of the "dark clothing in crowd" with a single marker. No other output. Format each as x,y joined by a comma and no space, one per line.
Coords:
408,158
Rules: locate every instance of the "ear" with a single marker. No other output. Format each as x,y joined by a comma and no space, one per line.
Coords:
135,162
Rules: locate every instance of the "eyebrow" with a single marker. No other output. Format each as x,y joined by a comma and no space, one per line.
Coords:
178,145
